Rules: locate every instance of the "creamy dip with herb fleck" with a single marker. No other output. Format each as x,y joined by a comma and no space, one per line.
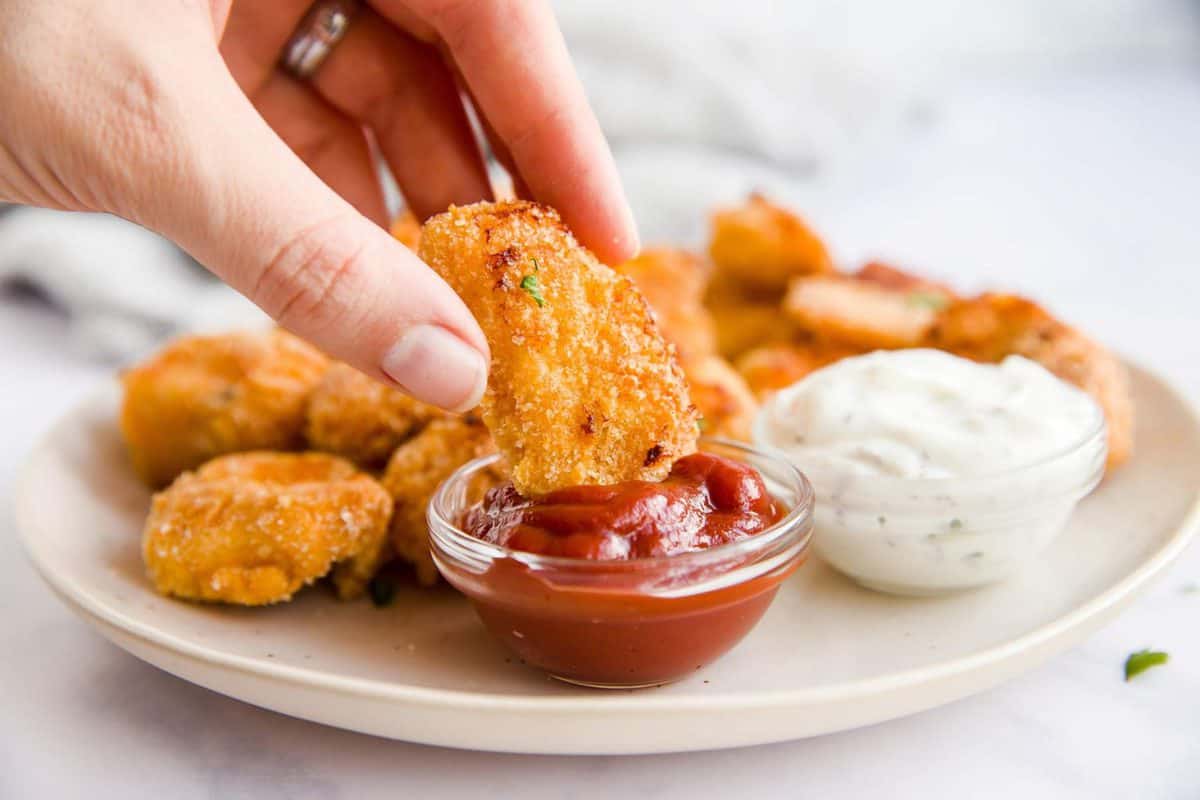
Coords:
933,472
925,414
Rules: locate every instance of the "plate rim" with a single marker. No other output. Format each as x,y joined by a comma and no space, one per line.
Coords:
1110,600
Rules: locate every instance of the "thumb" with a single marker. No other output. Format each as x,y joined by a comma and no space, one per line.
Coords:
247,208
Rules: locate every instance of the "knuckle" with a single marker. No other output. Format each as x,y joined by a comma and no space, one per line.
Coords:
316,277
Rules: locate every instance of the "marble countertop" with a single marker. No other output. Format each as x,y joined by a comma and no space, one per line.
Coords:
1080,190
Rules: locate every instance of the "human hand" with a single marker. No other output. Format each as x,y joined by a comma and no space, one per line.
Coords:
175,115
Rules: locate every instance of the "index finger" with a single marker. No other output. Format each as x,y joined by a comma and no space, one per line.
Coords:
513,58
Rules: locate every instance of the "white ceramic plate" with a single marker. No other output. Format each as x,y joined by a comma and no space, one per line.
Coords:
828,656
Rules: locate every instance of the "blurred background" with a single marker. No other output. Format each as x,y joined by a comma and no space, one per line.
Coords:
1048,147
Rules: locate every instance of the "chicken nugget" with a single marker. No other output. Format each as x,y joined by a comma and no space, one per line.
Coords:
204,396
768,369
355,416
413,474
253,528
673,281
583,387
727,406
859,313
763,246
991,326
744,320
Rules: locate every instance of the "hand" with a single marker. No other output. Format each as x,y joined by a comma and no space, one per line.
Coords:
175,115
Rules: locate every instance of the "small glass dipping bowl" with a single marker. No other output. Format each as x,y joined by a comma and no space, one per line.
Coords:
930,536
624,623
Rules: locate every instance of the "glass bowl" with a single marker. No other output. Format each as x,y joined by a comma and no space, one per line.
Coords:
623,623
931,536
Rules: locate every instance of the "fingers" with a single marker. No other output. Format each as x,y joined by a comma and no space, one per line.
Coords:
402,89
513,58
328,142
244,205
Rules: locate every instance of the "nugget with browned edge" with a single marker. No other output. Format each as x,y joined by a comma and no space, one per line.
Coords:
413,474
204,396
583,387
861,313
353,415
763,246
253,528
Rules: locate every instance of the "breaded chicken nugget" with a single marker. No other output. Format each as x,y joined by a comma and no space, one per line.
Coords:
583,387
860,313
727,406
992,326
406,229
673,281
745,319
204,396
362,419
762,245
774,367
413,474
253,528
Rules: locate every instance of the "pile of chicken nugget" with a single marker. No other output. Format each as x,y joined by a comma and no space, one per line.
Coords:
279,468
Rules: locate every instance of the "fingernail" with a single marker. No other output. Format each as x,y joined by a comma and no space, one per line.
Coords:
432,364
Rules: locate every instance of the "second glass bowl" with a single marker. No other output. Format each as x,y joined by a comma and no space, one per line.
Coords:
624,623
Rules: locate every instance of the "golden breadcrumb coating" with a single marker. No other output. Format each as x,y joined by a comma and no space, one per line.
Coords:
253,528
204,396
406,230
673,281
762,245
413,474
774,367
727,406
583,387
860,313
355,416
992,326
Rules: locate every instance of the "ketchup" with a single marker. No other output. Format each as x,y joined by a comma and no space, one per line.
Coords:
705,501
609,611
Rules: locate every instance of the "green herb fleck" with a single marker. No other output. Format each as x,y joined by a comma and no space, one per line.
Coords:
534,289
382,589
701,424
926,300
955,524
1142,660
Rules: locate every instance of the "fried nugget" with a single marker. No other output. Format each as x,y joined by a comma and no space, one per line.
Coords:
357,417
991,326
406,229
727,406
673,282
253,528
860,313
414,473
763,246
745,319
768,369
583,387
204,396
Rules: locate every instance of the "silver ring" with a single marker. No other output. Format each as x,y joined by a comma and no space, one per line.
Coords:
318,33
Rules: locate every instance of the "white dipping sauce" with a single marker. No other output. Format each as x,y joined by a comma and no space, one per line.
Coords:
933,472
